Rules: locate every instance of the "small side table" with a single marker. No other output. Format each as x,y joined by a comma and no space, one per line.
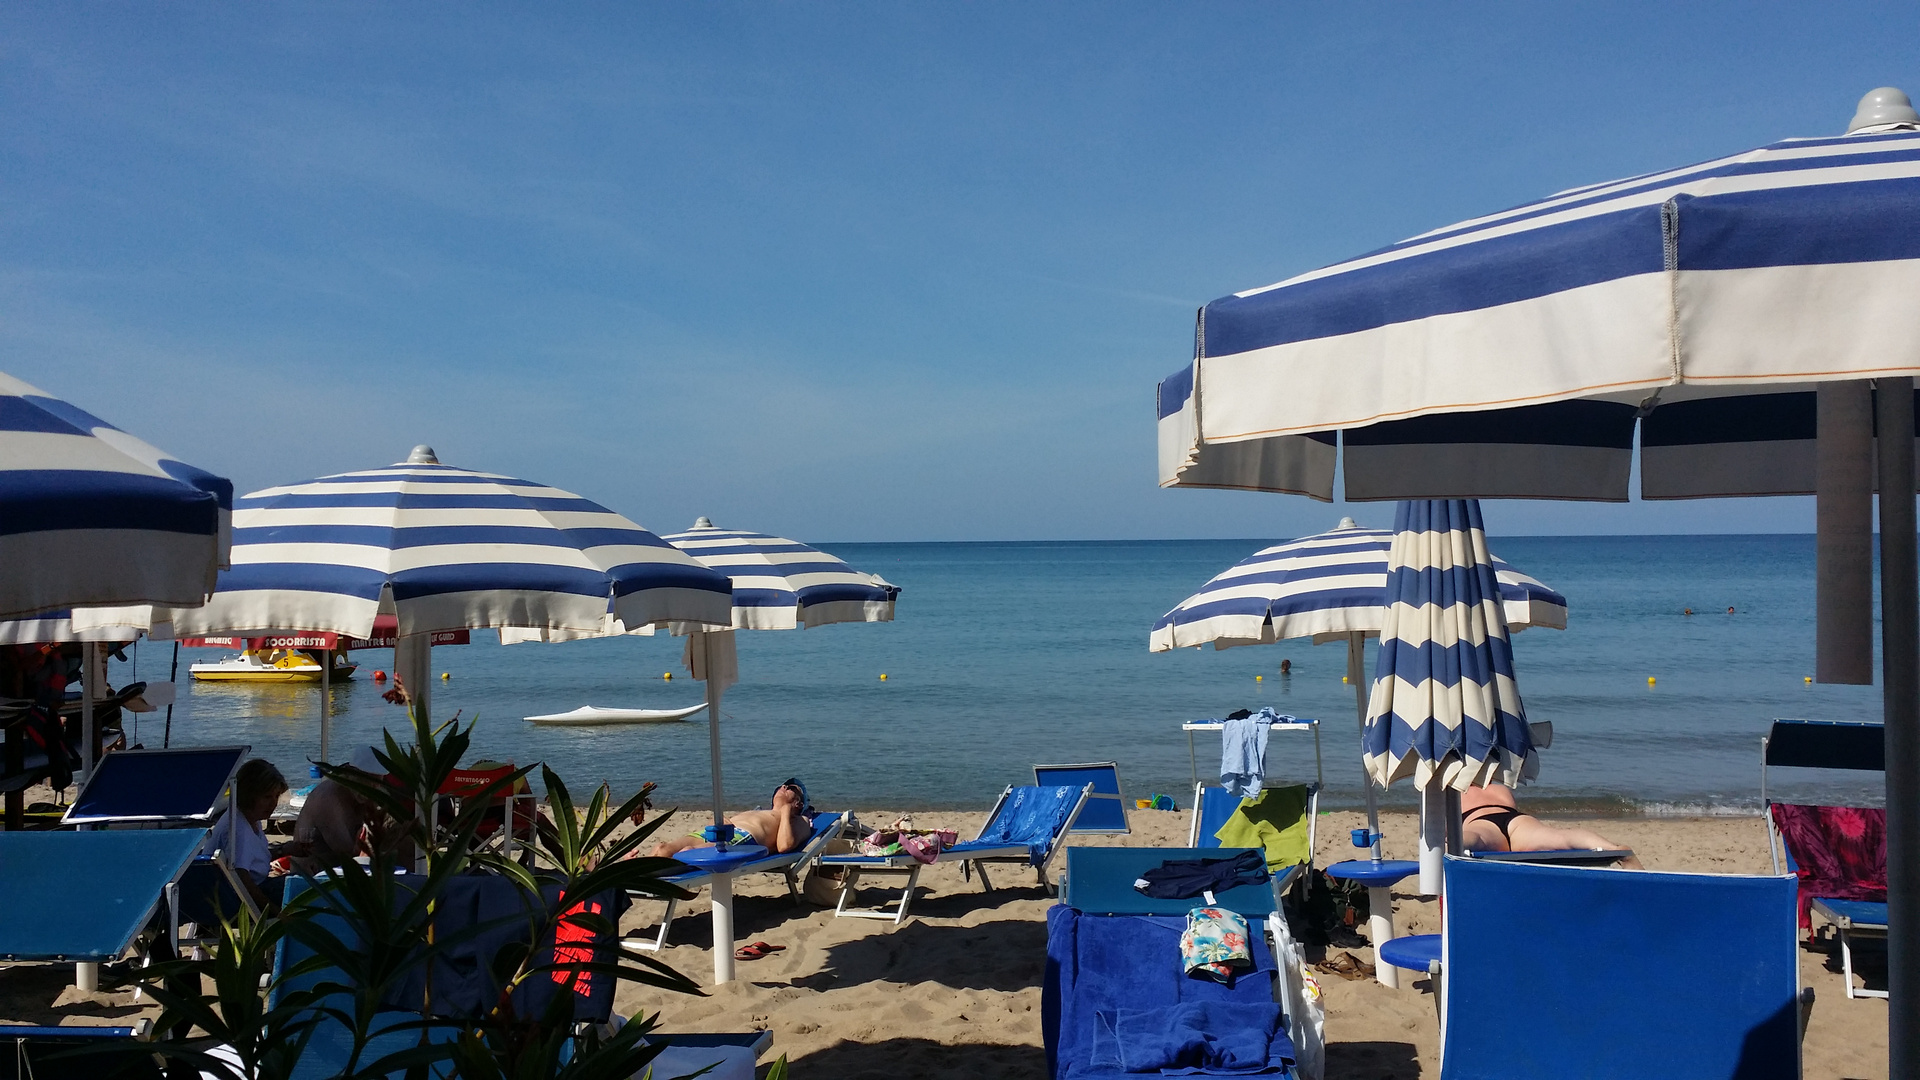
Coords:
1379,878
721,863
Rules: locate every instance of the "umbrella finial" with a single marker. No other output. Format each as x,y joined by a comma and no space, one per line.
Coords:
703,522
422,455
1346,523
1886,108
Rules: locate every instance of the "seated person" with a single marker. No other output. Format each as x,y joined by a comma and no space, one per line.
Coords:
327,832
782,829
1492,821
257,788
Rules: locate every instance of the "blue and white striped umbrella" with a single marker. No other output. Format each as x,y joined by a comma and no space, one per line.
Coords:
1329,583
1445,709
92,515
781,584
1512,355
443,548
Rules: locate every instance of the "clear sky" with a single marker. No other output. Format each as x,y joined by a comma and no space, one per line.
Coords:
837,271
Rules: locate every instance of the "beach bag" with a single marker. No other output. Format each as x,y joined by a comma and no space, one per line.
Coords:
822,884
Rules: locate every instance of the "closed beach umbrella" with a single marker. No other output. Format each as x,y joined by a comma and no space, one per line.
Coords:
1445,709
1329,584
1733,312
92,515
441,548
778,584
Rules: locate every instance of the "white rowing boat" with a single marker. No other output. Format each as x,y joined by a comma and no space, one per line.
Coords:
588,715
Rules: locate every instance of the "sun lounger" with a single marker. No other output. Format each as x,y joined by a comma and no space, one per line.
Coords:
1839,853
1106,812
185,785
1026,827
119,1052
730,1054
1569,971
1214,806
828,826
86,896
1115,984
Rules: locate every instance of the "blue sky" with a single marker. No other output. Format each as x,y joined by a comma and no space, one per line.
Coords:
841,272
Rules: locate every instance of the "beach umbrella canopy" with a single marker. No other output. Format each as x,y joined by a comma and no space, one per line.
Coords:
91,515
1444,709
1513,355
781,584
1330,583
442,548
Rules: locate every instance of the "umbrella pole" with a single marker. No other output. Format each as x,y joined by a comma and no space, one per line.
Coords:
326,698
722,886
1900,652
87,690
1356,663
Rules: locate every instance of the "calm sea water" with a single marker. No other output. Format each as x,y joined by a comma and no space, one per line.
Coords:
1007,654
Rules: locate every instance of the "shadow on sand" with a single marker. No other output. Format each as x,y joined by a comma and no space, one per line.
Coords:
1372,1061
1002,955
896,1058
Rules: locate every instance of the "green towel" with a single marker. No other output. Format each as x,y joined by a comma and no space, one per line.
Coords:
1277,821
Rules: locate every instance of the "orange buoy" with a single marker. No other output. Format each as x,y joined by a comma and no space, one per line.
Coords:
379,676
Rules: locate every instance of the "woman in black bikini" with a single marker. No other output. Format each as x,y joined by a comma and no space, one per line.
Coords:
1492,821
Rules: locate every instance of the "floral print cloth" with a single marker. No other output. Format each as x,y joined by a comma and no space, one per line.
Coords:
1215,943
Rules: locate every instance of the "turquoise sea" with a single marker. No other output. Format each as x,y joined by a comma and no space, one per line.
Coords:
1007,654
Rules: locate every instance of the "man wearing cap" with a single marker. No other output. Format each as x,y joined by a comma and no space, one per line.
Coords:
327,833
780,830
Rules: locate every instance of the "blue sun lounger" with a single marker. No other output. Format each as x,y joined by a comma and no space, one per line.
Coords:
1027,827
1106,811
1568,972
828,826
1115,987
86,896
1213,805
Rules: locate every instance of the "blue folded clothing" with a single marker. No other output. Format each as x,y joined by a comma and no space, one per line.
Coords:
1231,1038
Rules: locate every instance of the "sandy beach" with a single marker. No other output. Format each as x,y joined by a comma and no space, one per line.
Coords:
954,991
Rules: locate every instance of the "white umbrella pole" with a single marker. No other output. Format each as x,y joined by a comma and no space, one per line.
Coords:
714,690
87,691
326,699
1433,837
722,886
1356,662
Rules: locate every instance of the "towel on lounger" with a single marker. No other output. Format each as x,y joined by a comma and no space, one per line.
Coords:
1243,753
1213,1037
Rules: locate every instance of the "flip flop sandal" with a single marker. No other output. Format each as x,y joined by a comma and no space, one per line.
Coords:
767,947
754,951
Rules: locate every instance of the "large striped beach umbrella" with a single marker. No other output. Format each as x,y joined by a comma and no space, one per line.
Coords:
778,584
1445,709
91,515
1326,586
441,548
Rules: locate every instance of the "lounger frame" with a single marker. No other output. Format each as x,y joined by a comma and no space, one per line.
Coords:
971,862
789,864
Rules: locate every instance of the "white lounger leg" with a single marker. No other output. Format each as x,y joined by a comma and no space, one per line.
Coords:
898,915
660,940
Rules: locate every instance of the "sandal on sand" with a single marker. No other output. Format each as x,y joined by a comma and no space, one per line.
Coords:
1347,966
756,951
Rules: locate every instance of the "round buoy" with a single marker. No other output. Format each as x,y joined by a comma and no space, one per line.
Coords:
883,676
667,675
445,675
1809,679
1649,680
1343,678
379,676
1259,678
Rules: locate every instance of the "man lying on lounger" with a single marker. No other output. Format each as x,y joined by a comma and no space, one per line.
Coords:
1492,821
782,829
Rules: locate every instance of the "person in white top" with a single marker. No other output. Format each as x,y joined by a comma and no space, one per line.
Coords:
257,788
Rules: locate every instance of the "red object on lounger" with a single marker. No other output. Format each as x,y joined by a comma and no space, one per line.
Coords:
1839,852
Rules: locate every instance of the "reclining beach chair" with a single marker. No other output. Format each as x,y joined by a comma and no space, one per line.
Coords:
1839,853
119,1052
1566,971
1106,811
1027,827
1115,978
90,895
1290,812
827,827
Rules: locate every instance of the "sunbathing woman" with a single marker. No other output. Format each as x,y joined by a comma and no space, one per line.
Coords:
1492,821
780,830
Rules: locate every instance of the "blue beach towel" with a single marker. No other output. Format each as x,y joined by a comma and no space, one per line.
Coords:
1243,753
1032,816
1208,1038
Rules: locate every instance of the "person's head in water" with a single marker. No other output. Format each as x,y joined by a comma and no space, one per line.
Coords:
1286,667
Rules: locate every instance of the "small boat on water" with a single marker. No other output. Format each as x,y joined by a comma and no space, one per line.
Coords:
590,715
273,666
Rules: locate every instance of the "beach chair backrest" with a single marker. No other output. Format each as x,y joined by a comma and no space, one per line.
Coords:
1212,806
154,786
1106,811
1034,816
1815,744
1558,970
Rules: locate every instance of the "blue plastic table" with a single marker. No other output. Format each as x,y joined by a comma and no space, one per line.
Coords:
721,863
83,896
1379,878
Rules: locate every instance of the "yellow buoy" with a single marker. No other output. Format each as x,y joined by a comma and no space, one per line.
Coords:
1649,680
667,675
883,676
1809,679
1259,678
445,675
1343,678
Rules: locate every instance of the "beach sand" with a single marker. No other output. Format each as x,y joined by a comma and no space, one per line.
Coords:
954,992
